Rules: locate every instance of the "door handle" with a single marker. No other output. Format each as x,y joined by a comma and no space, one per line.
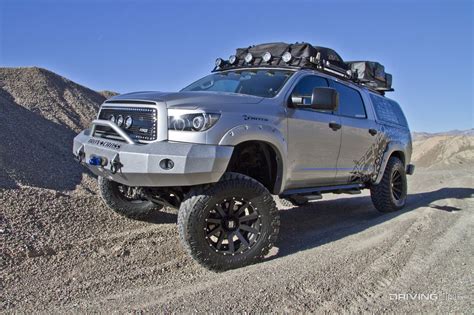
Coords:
334,126
372,131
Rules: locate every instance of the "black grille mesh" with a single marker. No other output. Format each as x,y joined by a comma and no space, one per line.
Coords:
143,126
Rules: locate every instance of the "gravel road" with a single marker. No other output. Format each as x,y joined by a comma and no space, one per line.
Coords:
65,252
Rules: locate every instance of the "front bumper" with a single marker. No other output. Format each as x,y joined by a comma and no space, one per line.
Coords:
139,164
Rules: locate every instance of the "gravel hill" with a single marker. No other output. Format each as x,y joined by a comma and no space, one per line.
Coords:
440,151
63,251
41,113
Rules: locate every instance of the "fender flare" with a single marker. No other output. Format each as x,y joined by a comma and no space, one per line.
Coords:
391,147
267,134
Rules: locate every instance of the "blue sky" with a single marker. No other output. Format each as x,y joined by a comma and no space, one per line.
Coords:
151,45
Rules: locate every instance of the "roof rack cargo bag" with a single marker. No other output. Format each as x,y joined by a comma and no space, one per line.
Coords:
371,73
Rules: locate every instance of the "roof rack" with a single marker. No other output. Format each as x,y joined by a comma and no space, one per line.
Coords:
370,75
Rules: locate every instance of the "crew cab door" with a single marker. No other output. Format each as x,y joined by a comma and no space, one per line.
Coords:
356,157
314,139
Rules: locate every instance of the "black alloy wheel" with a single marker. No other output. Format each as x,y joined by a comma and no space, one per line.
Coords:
398,191
233,226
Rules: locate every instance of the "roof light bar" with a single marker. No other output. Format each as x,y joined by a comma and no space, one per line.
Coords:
232,59
287,57
219,62
267,56
248,58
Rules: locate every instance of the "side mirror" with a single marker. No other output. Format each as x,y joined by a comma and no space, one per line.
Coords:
322,98
325,99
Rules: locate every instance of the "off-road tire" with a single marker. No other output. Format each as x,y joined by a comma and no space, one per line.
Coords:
201,202
384,195
112,197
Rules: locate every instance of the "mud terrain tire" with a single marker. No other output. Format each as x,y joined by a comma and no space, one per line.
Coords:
391,193
118,202
229,224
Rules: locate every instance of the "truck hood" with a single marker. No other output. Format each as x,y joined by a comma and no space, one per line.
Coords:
190,99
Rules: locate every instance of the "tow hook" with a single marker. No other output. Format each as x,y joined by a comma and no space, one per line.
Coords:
115,164
80,155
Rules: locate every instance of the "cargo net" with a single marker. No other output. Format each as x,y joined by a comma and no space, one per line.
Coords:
303,55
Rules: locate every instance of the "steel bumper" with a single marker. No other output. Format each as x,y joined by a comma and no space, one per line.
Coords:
135,164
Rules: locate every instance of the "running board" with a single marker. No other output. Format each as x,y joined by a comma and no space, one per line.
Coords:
352,189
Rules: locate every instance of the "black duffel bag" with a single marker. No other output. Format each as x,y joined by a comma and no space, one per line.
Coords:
371,73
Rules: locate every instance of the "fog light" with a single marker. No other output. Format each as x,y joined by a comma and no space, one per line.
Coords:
128,122
166,164
120,120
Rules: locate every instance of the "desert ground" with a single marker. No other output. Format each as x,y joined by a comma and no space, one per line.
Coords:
64,251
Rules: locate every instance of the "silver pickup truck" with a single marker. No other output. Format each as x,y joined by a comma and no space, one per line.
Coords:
257,129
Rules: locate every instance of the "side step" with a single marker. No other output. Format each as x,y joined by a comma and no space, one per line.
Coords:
315,193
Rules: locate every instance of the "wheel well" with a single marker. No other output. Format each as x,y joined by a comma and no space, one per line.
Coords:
400,155
258,160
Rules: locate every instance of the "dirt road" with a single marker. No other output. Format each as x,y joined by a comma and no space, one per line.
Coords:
67,252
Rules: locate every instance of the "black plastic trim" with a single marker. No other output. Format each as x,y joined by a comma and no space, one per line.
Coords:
322,189
129,102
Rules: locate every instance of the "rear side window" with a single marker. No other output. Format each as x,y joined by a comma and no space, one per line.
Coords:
388,111
350,101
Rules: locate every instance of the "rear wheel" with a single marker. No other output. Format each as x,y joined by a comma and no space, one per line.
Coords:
391,193
230,224
125,200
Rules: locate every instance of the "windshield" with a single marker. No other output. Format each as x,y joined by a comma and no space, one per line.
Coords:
264,83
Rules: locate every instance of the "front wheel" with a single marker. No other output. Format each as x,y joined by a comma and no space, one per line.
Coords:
229,224
391,193
125,200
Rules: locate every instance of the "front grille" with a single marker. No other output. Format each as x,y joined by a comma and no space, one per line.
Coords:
143,126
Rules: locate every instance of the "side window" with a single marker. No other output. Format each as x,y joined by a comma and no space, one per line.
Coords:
350,101
388,110
306,85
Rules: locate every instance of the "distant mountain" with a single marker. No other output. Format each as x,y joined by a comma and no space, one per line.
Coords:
424,135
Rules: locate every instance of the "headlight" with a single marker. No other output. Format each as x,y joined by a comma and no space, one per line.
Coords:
192,122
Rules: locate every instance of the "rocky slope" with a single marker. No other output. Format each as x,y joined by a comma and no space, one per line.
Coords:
436,151
41,112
